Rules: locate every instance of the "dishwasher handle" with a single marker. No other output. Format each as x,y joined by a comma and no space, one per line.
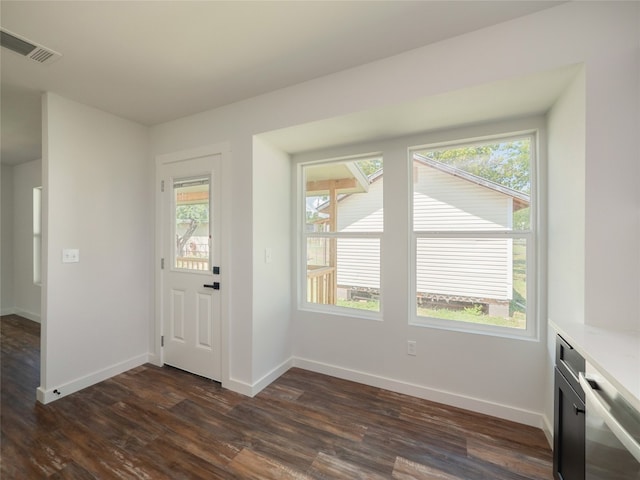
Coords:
595,402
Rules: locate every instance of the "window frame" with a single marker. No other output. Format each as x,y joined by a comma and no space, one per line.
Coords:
304,235
37,236
531,330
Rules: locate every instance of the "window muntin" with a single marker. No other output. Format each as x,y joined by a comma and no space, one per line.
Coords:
343,222
472,216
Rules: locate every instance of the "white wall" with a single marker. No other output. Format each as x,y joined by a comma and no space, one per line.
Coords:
19,294
565,217
603,36
7,300
26,176
96,173
612,170
271,295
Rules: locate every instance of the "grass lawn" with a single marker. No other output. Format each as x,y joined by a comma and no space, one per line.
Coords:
471,316
371,305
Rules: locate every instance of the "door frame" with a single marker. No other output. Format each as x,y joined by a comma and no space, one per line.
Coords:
156,354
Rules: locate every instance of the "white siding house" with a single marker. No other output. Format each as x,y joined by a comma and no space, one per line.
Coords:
445,199
360,212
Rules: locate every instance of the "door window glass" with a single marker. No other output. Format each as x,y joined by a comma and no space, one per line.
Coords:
192,234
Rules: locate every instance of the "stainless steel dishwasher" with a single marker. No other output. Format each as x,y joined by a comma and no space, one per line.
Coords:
612,448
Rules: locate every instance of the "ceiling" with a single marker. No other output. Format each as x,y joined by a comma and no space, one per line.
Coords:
152,61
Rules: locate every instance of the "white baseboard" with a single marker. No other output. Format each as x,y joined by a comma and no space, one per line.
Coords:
59,391
252,390
154,359
547,428
30,315
270,377
238,386
461,401
23,313
486,407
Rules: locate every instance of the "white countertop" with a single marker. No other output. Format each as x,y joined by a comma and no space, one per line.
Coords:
614,353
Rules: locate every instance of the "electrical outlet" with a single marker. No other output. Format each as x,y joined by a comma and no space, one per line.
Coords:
411,347
70,255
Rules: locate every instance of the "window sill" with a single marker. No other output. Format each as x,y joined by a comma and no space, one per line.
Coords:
475,329
341,312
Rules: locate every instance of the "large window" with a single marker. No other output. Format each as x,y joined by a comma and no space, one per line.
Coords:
473,237
341,238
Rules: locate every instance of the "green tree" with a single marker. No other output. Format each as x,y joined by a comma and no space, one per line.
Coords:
197,211
506,163
370,166
195,214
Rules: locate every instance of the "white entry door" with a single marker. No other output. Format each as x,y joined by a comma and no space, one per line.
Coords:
190,274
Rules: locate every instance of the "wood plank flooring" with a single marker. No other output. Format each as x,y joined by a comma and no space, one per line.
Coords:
162,423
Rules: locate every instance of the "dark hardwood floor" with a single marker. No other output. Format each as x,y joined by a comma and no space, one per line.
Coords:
162,423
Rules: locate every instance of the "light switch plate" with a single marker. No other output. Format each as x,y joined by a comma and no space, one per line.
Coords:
70,255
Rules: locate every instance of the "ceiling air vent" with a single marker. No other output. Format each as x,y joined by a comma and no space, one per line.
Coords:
27,48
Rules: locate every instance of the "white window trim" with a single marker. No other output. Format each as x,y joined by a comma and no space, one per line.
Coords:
531,332
37,236
303,235
335,309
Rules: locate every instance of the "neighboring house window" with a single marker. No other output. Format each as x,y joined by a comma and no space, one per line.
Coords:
37,235
473,236
341,238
